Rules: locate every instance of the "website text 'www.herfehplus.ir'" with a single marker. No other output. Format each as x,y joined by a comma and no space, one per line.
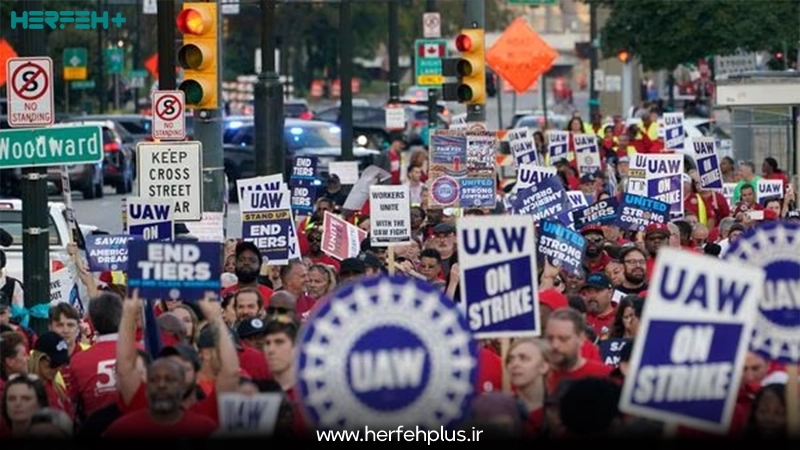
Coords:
401,434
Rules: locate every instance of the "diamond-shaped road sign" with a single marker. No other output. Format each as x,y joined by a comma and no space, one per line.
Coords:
520,55
75,64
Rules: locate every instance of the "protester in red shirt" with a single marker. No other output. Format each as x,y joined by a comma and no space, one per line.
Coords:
165,416
600,310
280,348
490,370
565,334
595,256
93,382
770,171
315,253
527,367
248,267
49,355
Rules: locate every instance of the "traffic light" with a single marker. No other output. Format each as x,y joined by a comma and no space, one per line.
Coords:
624,56
470,69
198,54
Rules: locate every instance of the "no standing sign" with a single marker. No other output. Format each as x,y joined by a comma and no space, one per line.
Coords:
30,92
169,121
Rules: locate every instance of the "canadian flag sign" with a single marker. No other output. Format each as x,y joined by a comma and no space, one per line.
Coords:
431,51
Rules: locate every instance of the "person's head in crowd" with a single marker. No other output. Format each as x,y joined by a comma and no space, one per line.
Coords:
588,184
735,232
656,235
248,263
252,332
188,359
314,238
167,386
768,413
321,281
334,183
449,216
230,247
281,335
549,301
444,239
5,309
597,292
190,321
612,233
628,317
594,240
230,264
105,313
414,173
229,308
23,395
497,414
691,219
575,125
417,218
589,407
351,269
527,365
769,166
756,368
573,281
50,423
364,223
168,304
747,194
64,319
321,206
634,265
172,329
13,355
434,217
207,350
247,302
775,205
282,303
380,252
725,226
565,333
50,353
373,264
430,264
685,232
727,164
294,277
699,235
674,235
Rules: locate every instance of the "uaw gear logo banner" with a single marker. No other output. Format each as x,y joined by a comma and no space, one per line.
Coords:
384,352
775,247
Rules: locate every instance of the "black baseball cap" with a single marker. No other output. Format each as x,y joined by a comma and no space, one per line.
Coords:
597,280
352,266
370,260
55,347
444,228
245,246
185,351
251,327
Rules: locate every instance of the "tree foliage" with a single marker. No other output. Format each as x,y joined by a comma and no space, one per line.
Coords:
666,33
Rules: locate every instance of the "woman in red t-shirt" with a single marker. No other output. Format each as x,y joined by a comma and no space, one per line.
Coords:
527,367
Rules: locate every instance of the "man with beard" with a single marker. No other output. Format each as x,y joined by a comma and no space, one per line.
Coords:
315,253
634,263
444,241
656,236
565,334
248,266
164,417
595,257
600,311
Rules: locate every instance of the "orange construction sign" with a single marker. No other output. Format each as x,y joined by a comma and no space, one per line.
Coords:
520,56
6,52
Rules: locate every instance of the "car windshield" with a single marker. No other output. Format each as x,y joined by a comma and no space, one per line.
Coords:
11,222
312,136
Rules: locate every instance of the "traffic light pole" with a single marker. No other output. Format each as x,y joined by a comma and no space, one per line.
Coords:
475,16
594,103
433,94
165,19
394,53
345,78
35,213
268,105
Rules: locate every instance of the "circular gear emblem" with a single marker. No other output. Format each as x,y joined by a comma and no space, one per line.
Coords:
775,247
444,190
384,352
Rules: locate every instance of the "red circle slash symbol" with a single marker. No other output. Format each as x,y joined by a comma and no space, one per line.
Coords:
169,108
34,81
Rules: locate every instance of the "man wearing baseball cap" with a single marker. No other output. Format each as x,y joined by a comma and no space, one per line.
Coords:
595,257
656,235
600,310
248,266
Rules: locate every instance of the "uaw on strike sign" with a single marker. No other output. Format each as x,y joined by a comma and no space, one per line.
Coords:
687,362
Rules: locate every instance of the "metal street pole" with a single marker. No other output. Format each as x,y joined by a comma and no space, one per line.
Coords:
102,89
475,15
268,105
594,102
394,54
208,130
35,213
165,20
627,87
433,94
137,55
346,78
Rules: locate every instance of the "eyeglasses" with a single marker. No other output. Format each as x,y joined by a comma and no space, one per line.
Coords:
277,310
27,376
595,239
635,262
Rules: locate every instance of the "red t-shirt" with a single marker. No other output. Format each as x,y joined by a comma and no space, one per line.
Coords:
56,401
266,292
138,424
534,422
326,260
601,263
602,323
93,383
490,371
207,407
254,363
589,369
303,305
590,351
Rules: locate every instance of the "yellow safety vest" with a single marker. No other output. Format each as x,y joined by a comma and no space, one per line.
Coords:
702,214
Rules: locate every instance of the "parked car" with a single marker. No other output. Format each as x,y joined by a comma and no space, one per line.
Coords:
132,128
301,138
535,119
118,160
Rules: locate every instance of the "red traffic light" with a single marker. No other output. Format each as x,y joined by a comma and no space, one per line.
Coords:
192,21
779,55
463,43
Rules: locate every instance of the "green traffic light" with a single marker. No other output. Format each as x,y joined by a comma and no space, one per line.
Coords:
464,93
193,92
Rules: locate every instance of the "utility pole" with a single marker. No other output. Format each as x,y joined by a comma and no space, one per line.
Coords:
165,19
433,94
35,213
102,89
594,103
475,18
394,54
345,79
137,55
268,107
